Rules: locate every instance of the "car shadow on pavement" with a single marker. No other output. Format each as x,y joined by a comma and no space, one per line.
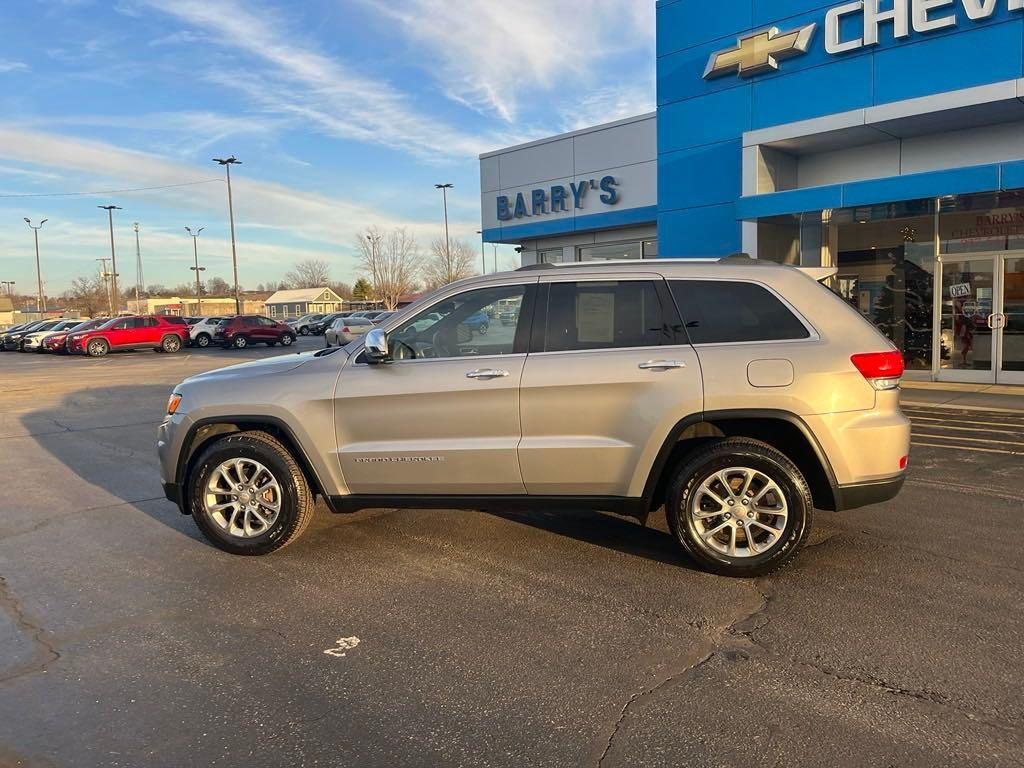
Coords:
619,534
101,443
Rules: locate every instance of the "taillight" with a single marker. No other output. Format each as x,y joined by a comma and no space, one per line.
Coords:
345,330
882,369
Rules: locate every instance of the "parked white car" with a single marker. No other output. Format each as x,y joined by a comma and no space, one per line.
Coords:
200,333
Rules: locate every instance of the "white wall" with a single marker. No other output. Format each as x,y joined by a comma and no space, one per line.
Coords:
627,150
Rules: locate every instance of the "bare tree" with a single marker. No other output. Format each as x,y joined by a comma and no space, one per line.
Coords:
391,261
342,289
311,273
444,266
218,286
89,295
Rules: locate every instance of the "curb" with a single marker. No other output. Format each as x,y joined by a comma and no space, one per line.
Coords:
958,407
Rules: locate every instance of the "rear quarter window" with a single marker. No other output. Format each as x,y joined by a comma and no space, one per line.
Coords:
728,311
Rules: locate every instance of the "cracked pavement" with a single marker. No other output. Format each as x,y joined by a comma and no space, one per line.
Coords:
529,638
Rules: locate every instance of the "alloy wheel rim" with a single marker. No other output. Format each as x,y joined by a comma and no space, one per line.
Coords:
243,498
738,512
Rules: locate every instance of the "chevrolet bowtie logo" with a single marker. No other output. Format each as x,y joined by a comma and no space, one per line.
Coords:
759,52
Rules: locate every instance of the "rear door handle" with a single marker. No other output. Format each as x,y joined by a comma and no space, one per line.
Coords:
661,365
487,373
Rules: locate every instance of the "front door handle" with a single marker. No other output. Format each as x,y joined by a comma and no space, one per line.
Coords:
661,365
487,373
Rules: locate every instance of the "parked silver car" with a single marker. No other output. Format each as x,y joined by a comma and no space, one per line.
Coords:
347,329
739,395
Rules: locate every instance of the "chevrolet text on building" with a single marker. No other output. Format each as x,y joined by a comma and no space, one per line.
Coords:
762,51
558,197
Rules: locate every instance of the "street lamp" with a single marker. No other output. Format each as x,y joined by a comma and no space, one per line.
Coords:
104,274
447,243
115,298
483,253
9,285
40,298
227,163
138,270
197,269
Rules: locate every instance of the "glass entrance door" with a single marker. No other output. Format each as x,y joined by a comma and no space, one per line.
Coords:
981,329
1011,321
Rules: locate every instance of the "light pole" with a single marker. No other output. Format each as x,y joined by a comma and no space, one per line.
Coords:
115,298
197,269
104,274
483,253
40,298
447,243
138,270
227,163
495,257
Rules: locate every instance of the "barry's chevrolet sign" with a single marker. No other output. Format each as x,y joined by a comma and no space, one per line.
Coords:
761,51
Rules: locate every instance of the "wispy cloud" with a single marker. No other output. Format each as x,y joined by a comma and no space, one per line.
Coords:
6,65
309,222
493,53
296,79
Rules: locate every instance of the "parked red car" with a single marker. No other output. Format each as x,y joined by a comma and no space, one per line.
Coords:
58,342
242,330
163,333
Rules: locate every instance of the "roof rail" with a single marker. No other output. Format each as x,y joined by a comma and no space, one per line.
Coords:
541,265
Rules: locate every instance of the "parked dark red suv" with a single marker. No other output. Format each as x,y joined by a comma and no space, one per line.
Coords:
241,331
160,332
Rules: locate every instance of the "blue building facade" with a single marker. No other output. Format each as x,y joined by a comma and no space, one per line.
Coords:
702,121
882,138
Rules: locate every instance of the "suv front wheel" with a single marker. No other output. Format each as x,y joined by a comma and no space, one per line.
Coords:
739,507
248,495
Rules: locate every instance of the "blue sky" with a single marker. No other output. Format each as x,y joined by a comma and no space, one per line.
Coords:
344,112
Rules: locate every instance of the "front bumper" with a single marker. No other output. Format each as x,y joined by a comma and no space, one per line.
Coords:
865,494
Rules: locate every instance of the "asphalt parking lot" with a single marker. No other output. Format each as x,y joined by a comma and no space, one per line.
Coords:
473,639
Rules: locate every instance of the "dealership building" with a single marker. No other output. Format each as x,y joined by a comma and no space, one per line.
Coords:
884,138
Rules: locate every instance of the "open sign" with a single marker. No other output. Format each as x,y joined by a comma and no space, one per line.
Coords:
960,290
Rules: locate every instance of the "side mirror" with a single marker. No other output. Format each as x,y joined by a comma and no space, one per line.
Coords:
376,346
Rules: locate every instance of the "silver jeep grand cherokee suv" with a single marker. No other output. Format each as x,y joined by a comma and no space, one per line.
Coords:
740,395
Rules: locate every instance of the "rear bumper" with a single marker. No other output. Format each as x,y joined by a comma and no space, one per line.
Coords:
865,494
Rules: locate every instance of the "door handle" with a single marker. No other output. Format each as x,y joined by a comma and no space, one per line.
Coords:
661,365
487,373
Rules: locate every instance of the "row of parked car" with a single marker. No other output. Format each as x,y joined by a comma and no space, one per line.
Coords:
164,333
167,333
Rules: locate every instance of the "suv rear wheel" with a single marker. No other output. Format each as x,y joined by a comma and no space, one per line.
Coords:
248,495
739,507
171,344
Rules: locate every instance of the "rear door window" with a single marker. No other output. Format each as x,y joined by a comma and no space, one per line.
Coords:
602,315
731,311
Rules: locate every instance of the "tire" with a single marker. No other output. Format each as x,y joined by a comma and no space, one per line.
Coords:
170,344
240,342
304,331
271,343
287,340
202,340
695,487
97,348
294,496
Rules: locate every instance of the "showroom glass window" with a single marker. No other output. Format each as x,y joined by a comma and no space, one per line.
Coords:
885,255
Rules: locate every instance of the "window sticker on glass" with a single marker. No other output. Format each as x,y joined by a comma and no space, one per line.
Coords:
595,317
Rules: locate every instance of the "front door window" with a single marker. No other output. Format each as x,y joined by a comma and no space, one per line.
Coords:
472,324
